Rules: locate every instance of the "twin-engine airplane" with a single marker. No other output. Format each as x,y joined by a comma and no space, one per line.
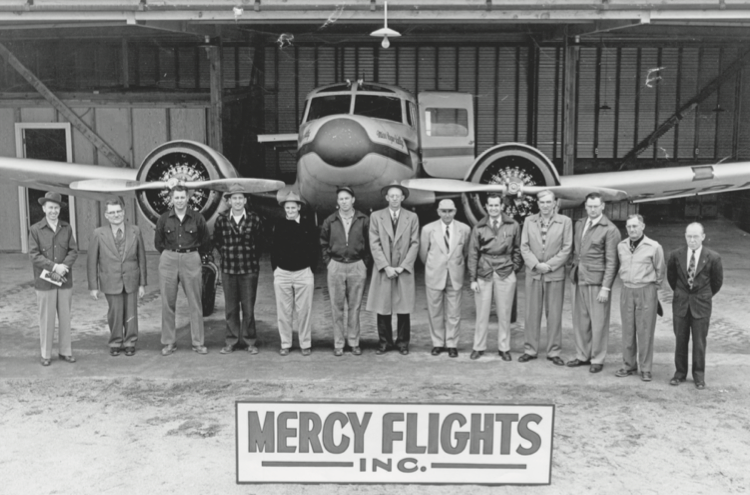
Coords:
367,135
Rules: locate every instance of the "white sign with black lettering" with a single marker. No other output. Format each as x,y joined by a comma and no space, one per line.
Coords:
326,442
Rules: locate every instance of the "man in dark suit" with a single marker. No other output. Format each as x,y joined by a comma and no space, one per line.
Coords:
695,274
116,265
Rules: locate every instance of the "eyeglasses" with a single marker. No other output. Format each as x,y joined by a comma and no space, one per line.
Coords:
115,213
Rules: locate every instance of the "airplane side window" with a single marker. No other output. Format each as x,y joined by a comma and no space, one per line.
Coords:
444,122
410,114
323,106
378,107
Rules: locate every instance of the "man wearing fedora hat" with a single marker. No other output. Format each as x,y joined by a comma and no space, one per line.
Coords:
443,246
53,250
344,240
294,254
238,235
394,244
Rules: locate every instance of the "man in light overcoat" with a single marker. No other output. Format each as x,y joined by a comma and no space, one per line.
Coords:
442,248
394,244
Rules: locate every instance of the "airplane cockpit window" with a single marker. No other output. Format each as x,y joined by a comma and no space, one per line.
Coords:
323,106
445,122
378,107
368,87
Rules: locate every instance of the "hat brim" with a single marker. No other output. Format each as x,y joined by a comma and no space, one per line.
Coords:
384,191
42,201
298,201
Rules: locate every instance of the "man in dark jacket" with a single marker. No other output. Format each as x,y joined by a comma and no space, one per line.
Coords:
293,257
695,274
345,246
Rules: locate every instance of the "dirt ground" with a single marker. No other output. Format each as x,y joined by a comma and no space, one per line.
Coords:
153,424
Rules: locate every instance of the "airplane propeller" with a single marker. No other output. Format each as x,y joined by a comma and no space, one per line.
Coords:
573,193
222,185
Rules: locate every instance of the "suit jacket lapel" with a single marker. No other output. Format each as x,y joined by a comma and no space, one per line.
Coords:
109,240
386,219
701,261
129,239
401,225
682,258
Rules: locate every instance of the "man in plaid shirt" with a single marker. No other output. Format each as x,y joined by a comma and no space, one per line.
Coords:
238,234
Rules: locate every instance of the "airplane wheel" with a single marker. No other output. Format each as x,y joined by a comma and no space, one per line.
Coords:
208,289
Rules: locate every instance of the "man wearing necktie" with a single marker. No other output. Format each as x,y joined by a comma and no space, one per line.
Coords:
594,267
116,266
443,246
394,244
695,274
494,259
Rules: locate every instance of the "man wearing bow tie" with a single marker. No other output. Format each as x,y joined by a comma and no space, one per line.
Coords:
695,274
442,248
116,266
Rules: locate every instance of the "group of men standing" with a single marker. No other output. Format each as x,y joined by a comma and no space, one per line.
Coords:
592,253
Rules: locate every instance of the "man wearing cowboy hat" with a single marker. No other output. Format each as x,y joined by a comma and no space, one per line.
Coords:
394,244
443,246
238,236
344,240
294,254
53,250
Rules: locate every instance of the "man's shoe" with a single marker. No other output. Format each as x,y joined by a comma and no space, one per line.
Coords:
476,354
436,351
556,360
46,362
646,376
252,349
68,359
596,368
306,352
227,349
114,351
200,349
130,351
404,351
700,385
168,349
505,355
622,372
452,352
577,362
524,358
381,351
338,352
676,381
357,351
284,351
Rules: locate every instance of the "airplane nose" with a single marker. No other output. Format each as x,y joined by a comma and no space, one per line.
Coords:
341,142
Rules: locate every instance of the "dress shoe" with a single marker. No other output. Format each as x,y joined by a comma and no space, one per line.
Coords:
227,349
381,351
306,352
646,376
114,351
68,359
200,349
46,362
452,352
676,381
596,368
284,351
338,352
404,351
252,349
622,372
168,349
505,355
524,358
357,351
577,362
476,354
700,385
556,360
436,351
130,351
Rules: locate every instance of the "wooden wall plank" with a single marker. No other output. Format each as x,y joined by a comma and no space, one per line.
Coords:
149,131
9,213
87,210
188,123
41,114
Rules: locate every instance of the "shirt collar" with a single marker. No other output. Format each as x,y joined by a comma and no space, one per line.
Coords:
244,214
115,228
188,212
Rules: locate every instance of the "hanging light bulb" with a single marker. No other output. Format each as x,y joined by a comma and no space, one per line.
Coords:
385,31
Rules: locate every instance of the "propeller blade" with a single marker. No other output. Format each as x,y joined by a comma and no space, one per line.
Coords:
452,186
114,185
576,193
249,185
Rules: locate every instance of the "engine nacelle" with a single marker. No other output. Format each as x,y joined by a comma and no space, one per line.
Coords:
186,160
508,163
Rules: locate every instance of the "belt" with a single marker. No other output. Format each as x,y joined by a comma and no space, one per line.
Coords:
191,250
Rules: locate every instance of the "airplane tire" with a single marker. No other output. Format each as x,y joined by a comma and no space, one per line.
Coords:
208,289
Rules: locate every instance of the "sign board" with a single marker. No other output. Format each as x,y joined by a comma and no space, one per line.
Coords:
329,442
